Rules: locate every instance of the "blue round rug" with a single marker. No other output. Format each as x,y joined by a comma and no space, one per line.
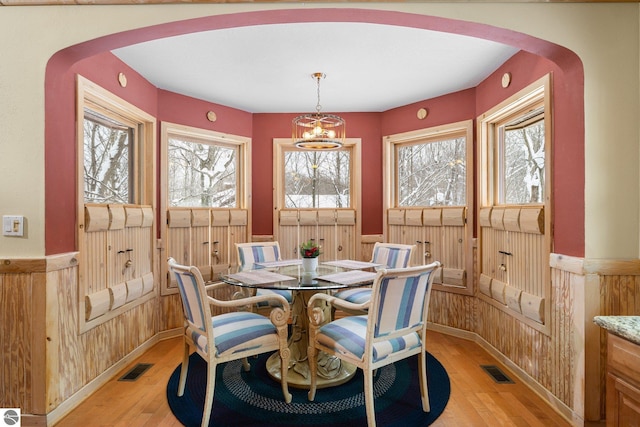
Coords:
255,399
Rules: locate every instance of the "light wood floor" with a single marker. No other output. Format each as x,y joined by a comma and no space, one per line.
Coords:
476,400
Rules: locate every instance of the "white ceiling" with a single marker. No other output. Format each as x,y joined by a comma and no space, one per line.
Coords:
268,68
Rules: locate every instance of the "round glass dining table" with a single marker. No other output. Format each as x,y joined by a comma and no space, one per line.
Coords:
290,275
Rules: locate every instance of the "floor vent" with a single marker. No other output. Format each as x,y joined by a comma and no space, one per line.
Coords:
497,374
135,372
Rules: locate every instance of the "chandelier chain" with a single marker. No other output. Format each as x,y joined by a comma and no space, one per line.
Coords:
318,76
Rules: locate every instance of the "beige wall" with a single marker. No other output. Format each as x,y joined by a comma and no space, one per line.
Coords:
604,35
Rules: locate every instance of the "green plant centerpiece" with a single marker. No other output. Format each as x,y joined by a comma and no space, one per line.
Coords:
310,249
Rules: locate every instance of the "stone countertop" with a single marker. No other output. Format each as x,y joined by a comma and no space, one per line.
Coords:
627,327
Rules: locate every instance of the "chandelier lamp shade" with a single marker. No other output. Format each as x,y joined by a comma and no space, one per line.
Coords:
318,131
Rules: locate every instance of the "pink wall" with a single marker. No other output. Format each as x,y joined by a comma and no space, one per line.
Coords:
568,178
189,111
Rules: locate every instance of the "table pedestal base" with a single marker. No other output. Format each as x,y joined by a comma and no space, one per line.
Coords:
331,370
298,380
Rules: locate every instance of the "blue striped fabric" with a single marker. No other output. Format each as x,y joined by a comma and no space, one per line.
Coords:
355,295
401,303
191,303
285,293
239,331
391,257
347,336
257,253
262,252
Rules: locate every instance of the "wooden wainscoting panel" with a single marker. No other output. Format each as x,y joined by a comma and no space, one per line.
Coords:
97,304
200,217
96,218
452,310
179,218
432,217
453,248
454,216
15,328
532,220
434,247
413,217
118,255
308,217
289,240
95,271
118,217
527,262
484,219
484,285
201,246
345,247
237,234
511,219
220,218
326,217
326,237
118,295
222,251
238,217
395,216
134,216
345,217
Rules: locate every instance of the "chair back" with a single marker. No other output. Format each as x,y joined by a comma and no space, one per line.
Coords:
400,300
193,295
250,253
392,255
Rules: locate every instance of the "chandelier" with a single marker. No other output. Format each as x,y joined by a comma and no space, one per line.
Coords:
318,131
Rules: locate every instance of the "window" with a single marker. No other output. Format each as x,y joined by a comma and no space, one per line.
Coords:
522,159
108,145
317,179
115,148
429,167
514,148
202,173
432,173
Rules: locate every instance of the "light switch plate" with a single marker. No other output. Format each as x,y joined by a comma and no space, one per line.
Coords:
13,225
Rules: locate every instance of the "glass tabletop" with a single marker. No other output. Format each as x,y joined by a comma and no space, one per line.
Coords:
291,276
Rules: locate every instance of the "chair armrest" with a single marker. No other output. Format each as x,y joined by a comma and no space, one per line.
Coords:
332,301
210,286
243,302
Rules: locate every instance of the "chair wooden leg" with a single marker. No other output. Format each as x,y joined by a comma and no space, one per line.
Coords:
368,398
424,389
245,364
208,397
312,359
183,369
285,355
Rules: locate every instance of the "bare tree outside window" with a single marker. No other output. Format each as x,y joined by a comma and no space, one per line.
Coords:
524,160
432,173
317,179
107,157
201,174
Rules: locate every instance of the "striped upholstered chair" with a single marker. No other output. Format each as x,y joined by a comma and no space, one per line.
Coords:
250,253
389,255
394,328
229,336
